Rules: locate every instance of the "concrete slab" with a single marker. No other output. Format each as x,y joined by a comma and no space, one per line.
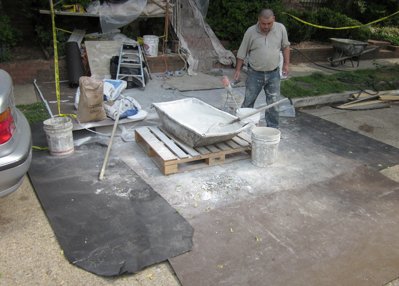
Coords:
392,173
25,94
380,124
201,81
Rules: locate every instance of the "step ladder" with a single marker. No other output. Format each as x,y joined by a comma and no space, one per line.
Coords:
130,65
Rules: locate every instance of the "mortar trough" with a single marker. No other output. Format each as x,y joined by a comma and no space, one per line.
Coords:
192,120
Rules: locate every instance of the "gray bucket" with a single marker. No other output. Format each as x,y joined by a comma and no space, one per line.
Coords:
59,135
264,146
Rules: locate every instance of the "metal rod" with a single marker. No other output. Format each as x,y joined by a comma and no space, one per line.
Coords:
42,98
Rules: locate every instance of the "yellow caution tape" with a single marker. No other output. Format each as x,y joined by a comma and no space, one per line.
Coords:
39,148
68,115
340,28
56,67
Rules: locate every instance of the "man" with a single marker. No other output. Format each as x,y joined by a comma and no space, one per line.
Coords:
262,43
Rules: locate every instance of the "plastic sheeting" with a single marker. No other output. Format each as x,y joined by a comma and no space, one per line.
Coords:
199,43
113,16
156,10
202,5
197,38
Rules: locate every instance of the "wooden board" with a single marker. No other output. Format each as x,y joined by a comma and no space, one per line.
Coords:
99,54
364,105
385,95
172,156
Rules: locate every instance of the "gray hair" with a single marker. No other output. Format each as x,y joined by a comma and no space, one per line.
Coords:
266,13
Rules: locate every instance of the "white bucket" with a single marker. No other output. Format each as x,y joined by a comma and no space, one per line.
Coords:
59,135
252,119
264,146
151,45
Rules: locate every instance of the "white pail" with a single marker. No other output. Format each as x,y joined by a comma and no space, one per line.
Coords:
59,135
252,119
264,146
151,45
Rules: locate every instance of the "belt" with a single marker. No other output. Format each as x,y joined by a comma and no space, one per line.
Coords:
265,71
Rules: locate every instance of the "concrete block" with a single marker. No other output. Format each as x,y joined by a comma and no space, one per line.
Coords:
378,43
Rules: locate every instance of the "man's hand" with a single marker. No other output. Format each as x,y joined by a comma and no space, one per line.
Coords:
236,75
286,69
286,56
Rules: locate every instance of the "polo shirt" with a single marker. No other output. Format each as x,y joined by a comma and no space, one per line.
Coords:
263,51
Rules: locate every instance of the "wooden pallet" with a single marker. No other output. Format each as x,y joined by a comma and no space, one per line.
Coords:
173,156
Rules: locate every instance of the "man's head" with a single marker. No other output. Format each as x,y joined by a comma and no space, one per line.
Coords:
265,20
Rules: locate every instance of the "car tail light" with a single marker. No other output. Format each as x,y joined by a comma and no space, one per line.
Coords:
7,126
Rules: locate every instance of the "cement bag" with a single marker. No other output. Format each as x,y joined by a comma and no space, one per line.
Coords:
90,107
127,107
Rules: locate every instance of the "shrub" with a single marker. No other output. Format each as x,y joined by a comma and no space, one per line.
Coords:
230,19
45,40
298,32
327,17
367,11
9,37
390,34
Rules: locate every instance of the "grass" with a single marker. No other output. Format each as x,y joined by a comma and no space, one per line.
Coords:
380,78
35,112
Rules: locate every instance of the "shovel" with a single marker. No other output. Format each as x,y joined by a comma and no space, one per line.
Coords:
217,127
257,110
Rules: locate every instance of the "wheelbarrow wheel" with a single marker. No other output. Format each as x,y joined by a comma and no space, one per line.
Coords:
333,60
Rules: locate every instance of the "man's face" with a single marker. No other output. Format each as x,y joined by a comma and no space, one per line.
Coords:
265,24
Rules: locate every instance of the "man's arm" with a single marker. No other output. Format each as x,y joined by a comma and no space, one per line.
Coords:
241,54
238,69
286,62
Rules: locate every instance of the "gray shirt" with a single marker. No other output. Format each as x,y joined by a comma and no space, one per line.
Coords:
263,51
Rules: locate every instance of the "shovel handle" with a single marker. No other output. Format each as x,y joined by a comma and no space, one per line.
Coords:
259,109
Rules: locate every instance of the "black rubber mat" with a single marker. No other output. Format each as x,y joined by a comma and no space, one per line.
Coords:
343,142
110,227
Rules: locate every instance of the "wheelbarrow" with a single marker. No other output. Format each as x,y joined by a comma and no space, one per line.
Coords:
347,49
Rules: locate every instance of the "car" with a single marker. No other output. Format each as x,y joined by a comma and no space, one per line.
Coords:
15,139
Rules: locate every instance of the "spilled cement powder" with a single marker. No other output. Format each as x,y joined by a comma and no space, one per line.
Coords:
121,187
205,192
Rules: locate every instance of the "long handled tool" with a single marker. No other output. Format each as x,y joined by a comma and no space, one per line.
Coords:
105,163
257,110
218,127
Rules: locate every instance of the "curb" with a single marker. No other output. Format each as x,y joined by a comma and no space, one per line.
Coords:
322,99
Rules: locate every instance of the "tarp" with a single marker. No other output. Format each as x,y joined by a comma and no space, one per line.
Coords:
110,227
